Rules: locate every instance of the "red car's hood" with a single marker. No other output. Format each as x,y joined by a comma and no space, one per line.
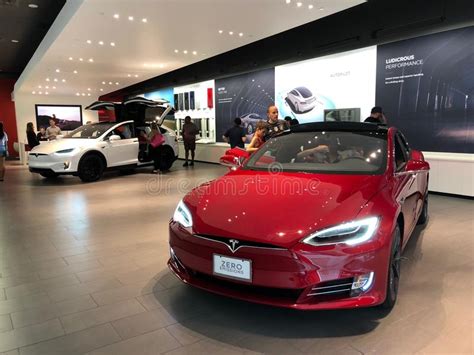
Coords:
278,209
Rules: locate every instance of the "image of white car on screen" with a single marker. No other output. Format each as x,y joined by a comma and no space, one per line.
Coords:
301,100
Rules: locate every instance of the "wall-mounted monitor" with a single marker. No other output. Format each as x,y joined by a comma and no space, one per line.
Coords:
68,117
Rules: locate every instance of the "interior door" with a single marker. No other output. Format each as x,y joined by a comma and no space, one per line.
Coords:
125,150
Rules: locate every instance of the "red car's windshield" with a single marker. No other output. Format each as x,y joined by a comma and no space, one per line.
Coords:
328,152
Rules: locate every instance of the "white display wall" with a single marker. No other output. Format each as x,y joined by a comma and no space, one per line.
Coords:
338,81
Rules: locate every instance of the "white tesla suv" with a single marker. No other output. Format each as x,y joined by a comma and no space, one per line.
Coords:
91,149
301,100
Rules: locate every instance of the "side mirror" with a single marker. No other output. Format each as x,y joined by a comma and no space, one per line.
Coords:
231,161
417,155
114,137
416,165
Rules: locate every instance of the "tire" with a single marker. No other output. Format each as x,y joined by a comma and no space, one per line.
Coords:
49,175
393,277
91,168
424,212
167,158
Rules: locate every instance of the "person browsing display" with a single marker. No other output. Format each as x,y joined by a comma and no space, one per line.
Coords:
258,137
274,125
52,131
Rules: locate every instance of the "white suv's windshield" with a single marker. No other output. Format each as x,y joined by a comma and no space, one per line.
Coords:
91,131
328,152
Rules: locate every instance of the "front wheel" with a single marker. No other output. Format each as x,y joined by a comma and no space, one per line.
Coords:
424,212
91,168
394,267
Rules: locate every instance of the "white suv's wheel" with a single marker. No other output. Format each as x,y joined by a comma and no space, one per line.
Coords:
91,168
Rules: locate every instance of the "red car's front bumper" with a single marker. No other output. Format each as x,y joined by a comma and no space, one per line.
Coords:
303,277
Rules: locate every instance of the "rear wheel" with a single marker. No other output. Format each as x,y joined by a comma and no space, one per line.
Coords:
424,212
393,278
167,158
91,168
49,174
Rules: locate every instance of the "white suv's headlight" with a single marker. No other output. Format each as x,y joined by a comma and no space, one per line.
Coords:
67,151
182,215
350,233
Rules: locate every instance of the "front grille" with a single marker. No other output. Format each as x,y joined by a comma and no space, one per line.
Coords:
37,154
242,243
331,290
289,295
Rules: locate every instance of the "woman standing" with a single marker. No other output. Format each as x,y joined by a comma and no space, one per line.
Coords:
3,150
31,135
258,137
155,141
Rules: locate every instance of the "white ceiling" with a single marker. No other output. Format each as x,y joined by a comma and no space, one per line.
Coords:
148,49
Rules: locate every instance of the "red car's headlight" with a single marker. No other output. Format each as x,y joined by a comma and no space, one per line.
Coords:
350,233
182,215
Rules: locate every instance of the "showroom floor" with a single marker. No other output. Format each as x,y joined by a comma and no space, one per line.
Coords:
83,269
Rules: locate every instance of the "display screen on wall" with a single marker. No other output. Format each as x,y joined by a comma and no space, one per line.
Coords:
246,96
162,94
426,88
304,90
68,117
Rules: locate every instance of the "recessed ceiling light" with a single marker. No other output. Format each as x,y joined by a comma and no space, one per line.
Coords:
112,44
77,94
64,80
129,75
40,87
47,79
91,60
103,83
32,6
89,94
221,32
130,18
46,87
116,16
54,87
231,33
89,41
185,52
144,20
116,83
110,83
70,58
101,43
288,1
176,51
136,75
40,93
15,41
75,71
33,92
83,94
46,93
321,9
101,89
310,6
57,70
241,34
88,89
55,80
299,4
80,59
194,52
161,65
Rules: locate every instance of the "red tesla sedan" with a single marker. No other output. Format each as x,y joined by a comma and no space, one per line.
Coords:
317,218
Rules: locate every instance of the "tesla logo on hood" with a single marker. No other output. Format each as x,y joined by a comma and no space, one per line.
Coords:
233,245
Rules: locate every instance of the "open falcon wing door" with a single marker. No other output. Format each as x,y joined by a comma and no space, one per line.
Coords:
115,107
143,110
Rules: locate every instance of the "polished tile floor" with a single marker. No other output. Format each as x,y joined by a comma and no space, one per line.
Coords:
83,270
